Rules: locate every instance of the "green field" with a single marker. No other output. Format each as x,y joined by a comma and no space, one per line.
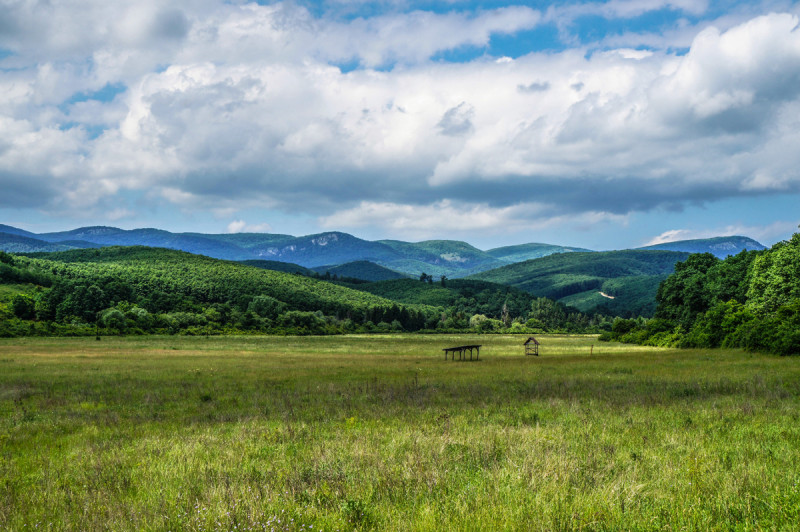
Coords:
379,432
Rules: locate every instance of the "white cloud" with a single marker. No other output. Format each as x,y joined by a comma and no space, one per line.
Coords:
240,226
119,214
380,40
447,217
424,219
565,15
227,105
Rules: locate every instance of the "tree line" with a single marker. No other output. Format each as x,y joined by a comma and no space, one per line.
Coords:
750,300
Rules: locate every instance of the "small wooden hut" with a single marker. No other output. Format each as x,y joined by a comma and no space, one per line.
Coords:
532,346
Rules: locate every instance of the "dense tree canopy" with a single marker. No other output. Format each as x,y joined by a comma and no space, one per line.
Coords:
750,300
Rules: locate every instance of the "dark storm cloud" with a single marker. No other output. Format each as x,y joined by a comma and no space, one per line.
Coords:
170,24
21,191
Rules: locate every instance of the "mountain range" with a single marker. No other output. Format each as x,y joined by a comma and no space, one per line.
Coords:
331,250
325,250
621,283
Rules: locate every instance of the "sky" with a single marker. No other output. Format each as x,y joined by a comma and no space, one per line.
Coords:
601,124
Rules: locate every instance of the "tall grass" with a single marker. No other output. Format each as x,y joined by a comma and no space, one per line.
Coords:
340,433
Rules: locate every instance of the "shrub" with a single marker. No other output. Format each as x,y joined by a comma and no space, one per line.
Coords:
266,307
23,307
112,318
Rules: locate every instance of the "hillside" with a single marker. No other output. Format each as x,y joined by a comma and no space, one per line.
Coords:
361,269
191,243
630,277
720,247
139,290
248,240
325,249
470,296
278,266
451,258
16,243
16,231
202,279
523,252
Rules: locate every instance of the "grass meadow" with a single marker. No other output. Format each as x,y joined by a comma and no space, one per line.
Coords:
379,432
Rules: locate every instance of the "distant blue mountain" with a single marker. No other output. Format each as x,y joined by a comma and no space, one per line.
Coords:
451,258
112,236
7,229
16,243
720,246
524,252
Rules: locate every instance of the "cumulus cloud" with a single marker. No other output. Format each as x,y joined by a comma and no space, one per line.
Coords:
233,104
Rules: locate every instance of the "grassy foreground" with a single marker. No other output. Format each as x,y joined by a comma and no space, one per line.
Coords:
341,433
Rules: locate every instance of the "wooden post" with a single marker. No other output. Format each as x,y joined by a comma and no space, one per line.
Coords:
591,350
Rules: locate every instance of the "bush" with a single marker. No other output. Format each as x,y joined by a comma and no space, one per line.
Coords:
309,322
622,327
112,318
23,307
266,307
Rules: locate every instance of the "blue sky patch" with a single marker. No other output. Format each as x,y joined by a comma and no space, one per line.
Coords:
105,94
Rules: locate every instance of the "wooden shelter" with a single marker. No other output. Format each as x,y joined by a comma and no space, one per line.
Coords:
532,346
462,352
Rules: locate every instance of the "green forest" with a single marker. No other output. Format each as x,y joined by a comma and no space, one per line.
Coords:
629,277
141,290
750,300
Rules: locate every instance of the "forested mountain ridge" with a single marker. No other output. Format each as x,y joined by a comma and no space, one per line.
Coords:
278,266
523,252
190,242
16,231
17,243
360,270
325,249
203,278
451,258
617,282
